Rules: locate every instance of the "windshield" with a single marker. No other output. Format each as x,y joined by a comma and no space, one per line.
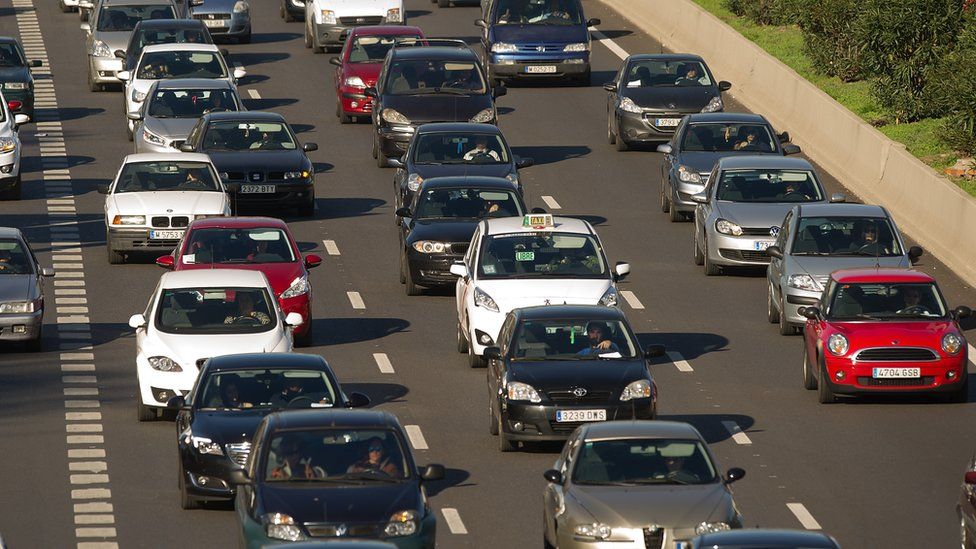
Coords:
10,55
432,76
460,148
14,259
886,301
573,339
541,255
137,177
167,36
729,137
181,64
215,311
538,12
228,135
230,245
768,186
467,204
643,461
266,389
648,73
124,18
190,103
346,456
867,236
373,49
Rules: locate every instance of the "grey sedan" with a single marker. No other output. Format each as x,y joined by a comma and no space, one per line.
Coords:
818,239
740,211
21,290
224,18
636,484
173,107
109,31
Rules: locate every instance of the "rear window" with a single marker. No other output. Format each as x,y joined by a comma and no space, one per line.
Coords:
125,18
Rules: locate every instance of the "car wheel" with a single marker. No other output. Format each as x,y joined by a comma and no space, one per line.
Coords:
476,361
287,16
409,287
611,137
583,80
772,315
114,257
129,133
443,3
145,413
961,396
375,144
665,203
824,394
462,340
403,275
343,117
809,380
785,327
82,14
492,424
966,541
504,443
380,156
92,85
621,143
711,269
699,256
674,215
308,35
186,500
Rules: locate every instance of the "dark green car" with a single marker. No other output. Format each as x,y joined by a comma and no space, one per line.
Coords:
15,74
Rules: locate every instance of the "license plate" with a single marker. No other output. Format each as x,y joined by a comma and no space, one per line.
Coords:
895,373
255,189
165,235
214,23
667,122
761,246
563,416
540,69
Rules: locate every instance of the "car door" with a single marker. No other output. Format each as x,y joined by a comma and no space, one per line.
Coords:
555,493
339,74
668,185
466,283
497,367
702,211
775,271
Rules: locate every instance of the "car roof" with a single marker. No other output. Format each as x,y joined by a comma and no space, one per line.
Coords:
260,361
217,278
133,2
11,232
435,52
374,30
665,57
181,46
589,312
882,275
8,40
310,419
239,223
514,225
246,116
763,537
458,127
170,23
641,429
468,181
842,208
763,162
192,83
731,117
173,157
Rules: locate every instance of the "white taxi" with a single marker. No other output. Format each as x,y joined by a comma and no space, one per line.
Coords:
515,262
194,315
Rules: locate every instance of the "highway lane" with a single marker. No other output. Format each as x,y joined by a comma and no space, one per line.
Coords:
841,462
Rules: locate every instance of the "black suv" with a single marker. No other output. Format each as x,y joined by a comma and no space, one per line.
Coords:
428,81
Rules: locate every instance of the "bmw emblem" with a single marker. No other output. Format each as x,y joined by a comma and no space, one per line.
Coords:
579,392
169,211
341,530
774,232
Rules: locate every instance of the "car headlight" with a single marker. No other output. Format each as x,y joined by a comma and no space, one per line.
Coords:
164,364
482,299
689,175
595,531
298,287
609,297
431,247
7,144
637,389
711,528
138,96
579,46
837,344
241,6
328,17
393,117
150,137
129,220
486,115
393,15
725,226
281,526
19,307
714,105
522,391
298,174
403,523
951,343
15,85
100,49
502,47
354,82
627,105
803,282
413,182
205,216
202,445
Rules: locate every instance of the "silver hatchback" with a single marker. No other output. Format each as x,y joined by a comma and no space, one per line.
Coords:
173,107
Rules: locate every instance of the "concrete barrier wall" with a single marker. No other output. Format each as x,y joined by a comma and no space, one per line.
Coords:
927,206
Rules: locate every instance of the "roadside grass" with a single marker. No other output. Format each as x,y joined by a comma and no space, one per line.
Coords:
786,44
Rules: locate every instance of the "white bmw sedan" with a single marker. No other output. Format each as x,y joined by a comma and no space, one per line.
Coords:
194,315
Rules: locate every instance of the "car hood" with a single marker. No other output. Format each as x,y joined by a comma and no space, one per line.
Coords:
262,161
917,333
188,348
612,375
704,161
280,275
368,72
224,427
215,6
115,40
512,293
16,287
767,214
346,8
421,109
169,202
14,74
309,502
820,267
474,170
170,128
680,98
443,230
540,34
668,506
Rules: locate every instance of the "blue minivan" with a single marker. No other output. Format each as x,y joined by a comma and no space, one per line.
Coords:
525,39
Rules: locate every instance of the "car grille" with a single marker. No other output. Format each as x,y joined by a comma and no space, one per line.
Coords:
211,16
238,452
754,256
459,248
344,530
154,244
565,428
896,354
756,231
179,221
354,21
895,382
539,48
567,397
653,538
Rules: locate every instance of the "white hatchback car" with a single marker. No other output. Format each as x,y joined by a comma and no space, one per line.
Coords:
155,196
162,61
9,151
526,261
194,315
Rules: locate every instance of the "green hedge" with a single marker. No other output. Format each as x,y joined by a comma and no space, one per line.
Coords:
767,12
953,84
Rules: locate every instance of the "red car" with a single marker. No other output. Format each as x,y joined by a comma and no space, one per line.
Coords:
884,330
254,243
359,64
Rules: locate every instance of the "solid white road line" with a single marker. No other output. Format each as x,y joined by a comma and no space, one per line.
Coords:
356,300
972,354
254,94
804,516
330,247
679,362
416,437
551,202
453,520
383,362
610,44
631,299
737,435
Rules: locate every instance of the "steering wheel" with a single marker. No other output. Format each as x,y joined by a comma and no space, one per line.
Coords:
247,320
796,194
301,401
193,184
377,470
481,156
215,109
913,310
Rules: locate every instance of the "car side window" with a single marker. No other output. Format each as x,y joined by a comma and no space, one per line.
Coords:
784,232
505,335
472,250
194,134
151,305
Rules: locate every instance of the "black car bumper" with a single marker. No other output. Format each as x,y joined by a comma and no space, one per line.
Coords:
522,67
638,127
431,270
285,195
394,142
206,475
137,240
528,422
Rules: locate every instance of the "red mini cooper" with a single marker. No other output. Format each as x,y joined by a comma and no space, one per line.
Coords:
884,330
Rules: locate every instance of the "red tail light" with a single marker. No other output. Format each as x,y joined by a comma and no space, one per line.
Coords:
14,105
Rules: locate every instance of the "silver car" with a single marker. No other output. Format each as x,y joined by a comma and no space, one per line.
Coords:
818,239
739,213
21,290
636,484
173,107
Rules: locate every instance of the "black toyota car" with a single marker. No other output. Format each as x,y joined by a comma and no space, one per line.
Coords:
436,81
436,228
231,396
559,366
259,158
458,148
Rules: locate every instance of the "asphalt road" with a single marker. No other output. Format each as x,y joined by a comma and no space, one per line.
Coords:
874,473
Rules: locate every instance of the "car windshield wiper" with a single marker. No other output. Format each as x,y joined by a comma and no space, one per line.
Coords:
856,252
326,480
659,481
811,253
382,477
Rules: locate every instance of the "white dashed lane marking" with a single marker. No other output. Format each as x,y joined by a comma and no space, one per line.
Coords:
610,44
972,355
330,247
453,520
551,202
804,516
416,437
679,362
383,362
631,299
254,94
737,435
356,300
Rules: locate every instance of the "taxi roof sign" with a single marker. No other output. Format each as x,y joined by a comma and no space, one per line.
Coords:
538,221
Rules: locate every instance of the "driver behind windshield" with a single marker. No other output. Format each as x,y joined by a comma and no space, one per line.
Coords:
246,312
598,340
376,460
481,151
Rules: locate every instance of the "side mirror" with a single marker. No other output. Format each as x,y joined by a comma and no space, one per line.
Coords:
312,261
962,311
665,148
838,197
459,269
123,76
434,471
499,91
357,400
134,115
176,402
293,319
620,270
593,22
102,188
309,147
790,148
21,119
481,23
403,212
610,86
370,91
493,353
186,147
120,54
137,321
47,271
553,476
239,73
165,261
238,477
335,61
774,251
810,312
654,351
724,85
524,162
700,198
538,210
36,63
784,137
734,474
194,3
914,253
85,27
395,162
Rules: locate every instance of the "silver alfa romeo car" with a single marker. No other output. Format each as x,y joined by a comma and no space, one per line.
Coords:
629,484
21,290
739,213
818,239
173,107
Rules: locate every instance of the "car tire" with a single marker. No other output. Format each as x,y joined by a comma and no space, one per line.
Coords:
583,80
611,137
129,133
443,3
403,274
343,117
711,269
410,288
966,540
699,256
114,257
475,361
961,395
809,380
375,144
621,143
380,157
462,340
786,328
504,443
665,200
82,15
545,542
187,502
824,394
287,16
93,86
492,423
145,413
306,33
674,215
772,315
